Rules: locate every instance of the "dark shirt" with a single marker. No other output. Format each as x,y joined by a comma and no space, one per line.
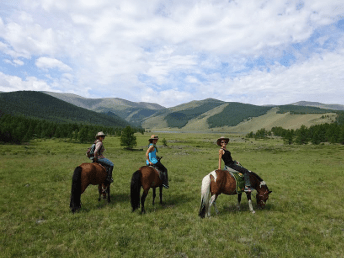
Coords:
227,158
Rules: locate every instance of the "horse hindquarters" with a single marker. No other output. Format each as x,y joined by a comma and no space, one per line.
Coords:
135,188
75,203
205,192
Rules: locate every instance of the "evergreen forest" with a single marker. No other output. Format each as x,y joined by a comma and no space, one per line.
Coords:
316,134
19,129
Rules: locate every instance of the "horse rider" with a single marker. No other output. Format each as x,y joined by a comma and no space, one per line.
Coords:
99,157
226,156
152,160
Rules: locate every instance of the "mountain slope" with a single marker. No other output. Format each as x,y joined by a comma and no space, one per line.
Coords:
319,105
43,106
132,112
179,116
214,115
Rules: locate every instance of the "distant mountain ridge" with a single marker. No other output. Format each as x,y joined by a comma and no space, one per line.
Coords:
319,105
132,112
208,115
43,106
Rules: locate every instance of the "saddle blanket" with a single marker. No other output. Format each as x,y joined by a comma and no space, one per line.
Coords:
239,179
159,172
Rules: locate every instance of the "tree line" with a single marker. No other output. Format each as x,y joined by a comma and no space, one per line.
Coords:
315,134
19,129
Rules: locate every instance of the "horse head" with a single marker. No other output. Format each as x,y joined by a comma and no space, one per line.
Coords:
261,188
262,195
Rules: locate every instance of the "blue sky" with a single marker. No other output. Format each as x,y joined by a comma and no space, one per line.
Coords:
173,52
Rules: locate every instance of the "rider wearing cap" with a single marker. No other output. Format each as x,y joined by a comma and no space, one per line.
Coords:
226,156
99,157
152,160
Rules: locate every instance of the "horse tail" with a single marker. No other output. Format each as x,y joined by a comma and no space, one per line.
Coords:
76,190
205,191
135,188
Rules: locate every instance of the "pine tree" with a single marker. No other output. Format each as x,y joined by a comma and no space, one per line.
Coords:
128,139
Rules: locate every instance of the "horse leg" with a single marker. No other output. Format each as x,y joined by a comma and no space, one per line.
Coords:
108,192
239,200
154,194
143,198
212,200
250,202
160,190
215,207
100,191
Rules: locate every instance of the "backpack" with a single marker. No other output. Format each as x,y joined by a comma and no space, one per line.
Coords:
90,151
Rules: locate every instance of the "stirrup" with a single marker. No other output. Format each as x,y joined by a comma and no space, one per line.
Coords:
166,186
109,181
247,189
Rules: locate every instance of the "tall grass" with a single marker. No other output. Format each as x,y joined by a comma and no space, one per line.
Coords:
303,217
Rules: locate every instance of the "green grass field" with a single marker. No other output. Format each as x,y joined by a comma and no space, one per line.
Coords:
303,217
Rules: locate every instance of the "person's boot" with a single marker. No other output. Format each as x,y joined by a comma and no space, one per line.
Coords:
247,183
164,179
109,179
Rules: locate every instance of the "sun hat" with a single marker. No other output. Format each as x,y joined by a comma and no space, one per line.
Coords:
153,137
220,139
100,134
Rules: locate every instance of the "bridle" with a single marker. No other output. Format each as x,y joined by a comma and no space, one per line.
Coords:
262,196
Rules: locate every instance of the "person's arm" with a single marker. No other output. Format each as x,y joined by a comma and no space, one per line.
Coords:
147,154
96,150
220,157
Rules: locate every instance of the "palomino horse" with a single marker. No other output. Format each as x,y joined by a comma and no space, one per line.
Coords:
84,175
147,177
220,181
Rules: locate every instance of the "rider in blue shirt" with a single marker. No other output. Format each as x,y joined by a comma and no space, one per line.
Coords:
152,160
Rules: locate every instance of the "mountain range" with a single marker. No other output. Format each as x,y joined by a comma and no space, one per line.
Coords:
208,115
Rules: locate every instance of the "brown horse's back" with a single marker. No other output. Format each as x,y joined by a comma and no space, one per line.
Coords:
224,183
92,173
149,177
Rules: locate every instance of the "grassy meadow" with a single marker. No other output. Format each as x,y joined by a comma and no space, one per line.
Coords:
304,216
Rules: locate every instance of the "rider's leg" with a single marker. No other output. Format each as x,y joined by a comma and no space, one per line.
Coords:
109,165
164,175
246,176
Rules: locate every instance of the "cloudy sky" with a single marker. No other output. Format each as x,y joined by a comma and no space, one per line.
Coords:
175,51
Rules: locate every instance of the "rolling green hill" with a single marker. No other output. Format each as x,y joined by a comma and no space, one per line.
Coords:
199,115
132,112
40,105
215,115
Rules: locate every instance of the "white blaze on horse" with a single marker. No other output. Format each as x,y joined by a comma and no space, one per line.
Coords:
221,181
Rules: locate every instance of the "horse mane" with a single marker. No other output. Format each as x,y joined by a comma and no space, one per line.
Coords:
258,177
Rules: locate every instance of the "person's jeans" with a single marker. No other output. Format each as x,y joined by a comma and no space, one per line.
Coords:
106,162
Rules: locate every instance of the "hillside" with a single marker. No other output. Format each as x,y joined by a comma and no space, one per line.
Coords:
40,105
319,105
235,117
133,112
208,115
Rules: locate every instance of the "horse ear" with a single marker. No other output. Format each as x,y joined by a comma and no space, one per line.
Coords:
270,192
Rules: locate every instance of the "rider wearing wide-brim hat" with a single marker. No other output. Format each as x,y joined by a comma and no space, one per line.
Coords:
226,156
152,159
99,157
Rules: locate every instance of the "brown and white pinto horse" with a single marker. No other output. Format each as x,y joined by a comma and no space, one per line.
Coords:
221,181
84,175
146,177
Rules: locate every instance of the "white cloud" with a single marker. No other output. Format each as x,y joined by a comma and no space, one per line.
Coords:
179,49
15,83
50,63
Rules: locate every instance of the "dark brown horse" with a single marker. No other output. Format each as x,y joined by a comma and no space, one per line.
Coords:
221,181
146,177
84,175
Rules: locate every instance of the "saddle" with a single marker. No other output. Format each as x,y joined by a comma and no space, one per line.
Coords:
239,179
103,166
159,171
